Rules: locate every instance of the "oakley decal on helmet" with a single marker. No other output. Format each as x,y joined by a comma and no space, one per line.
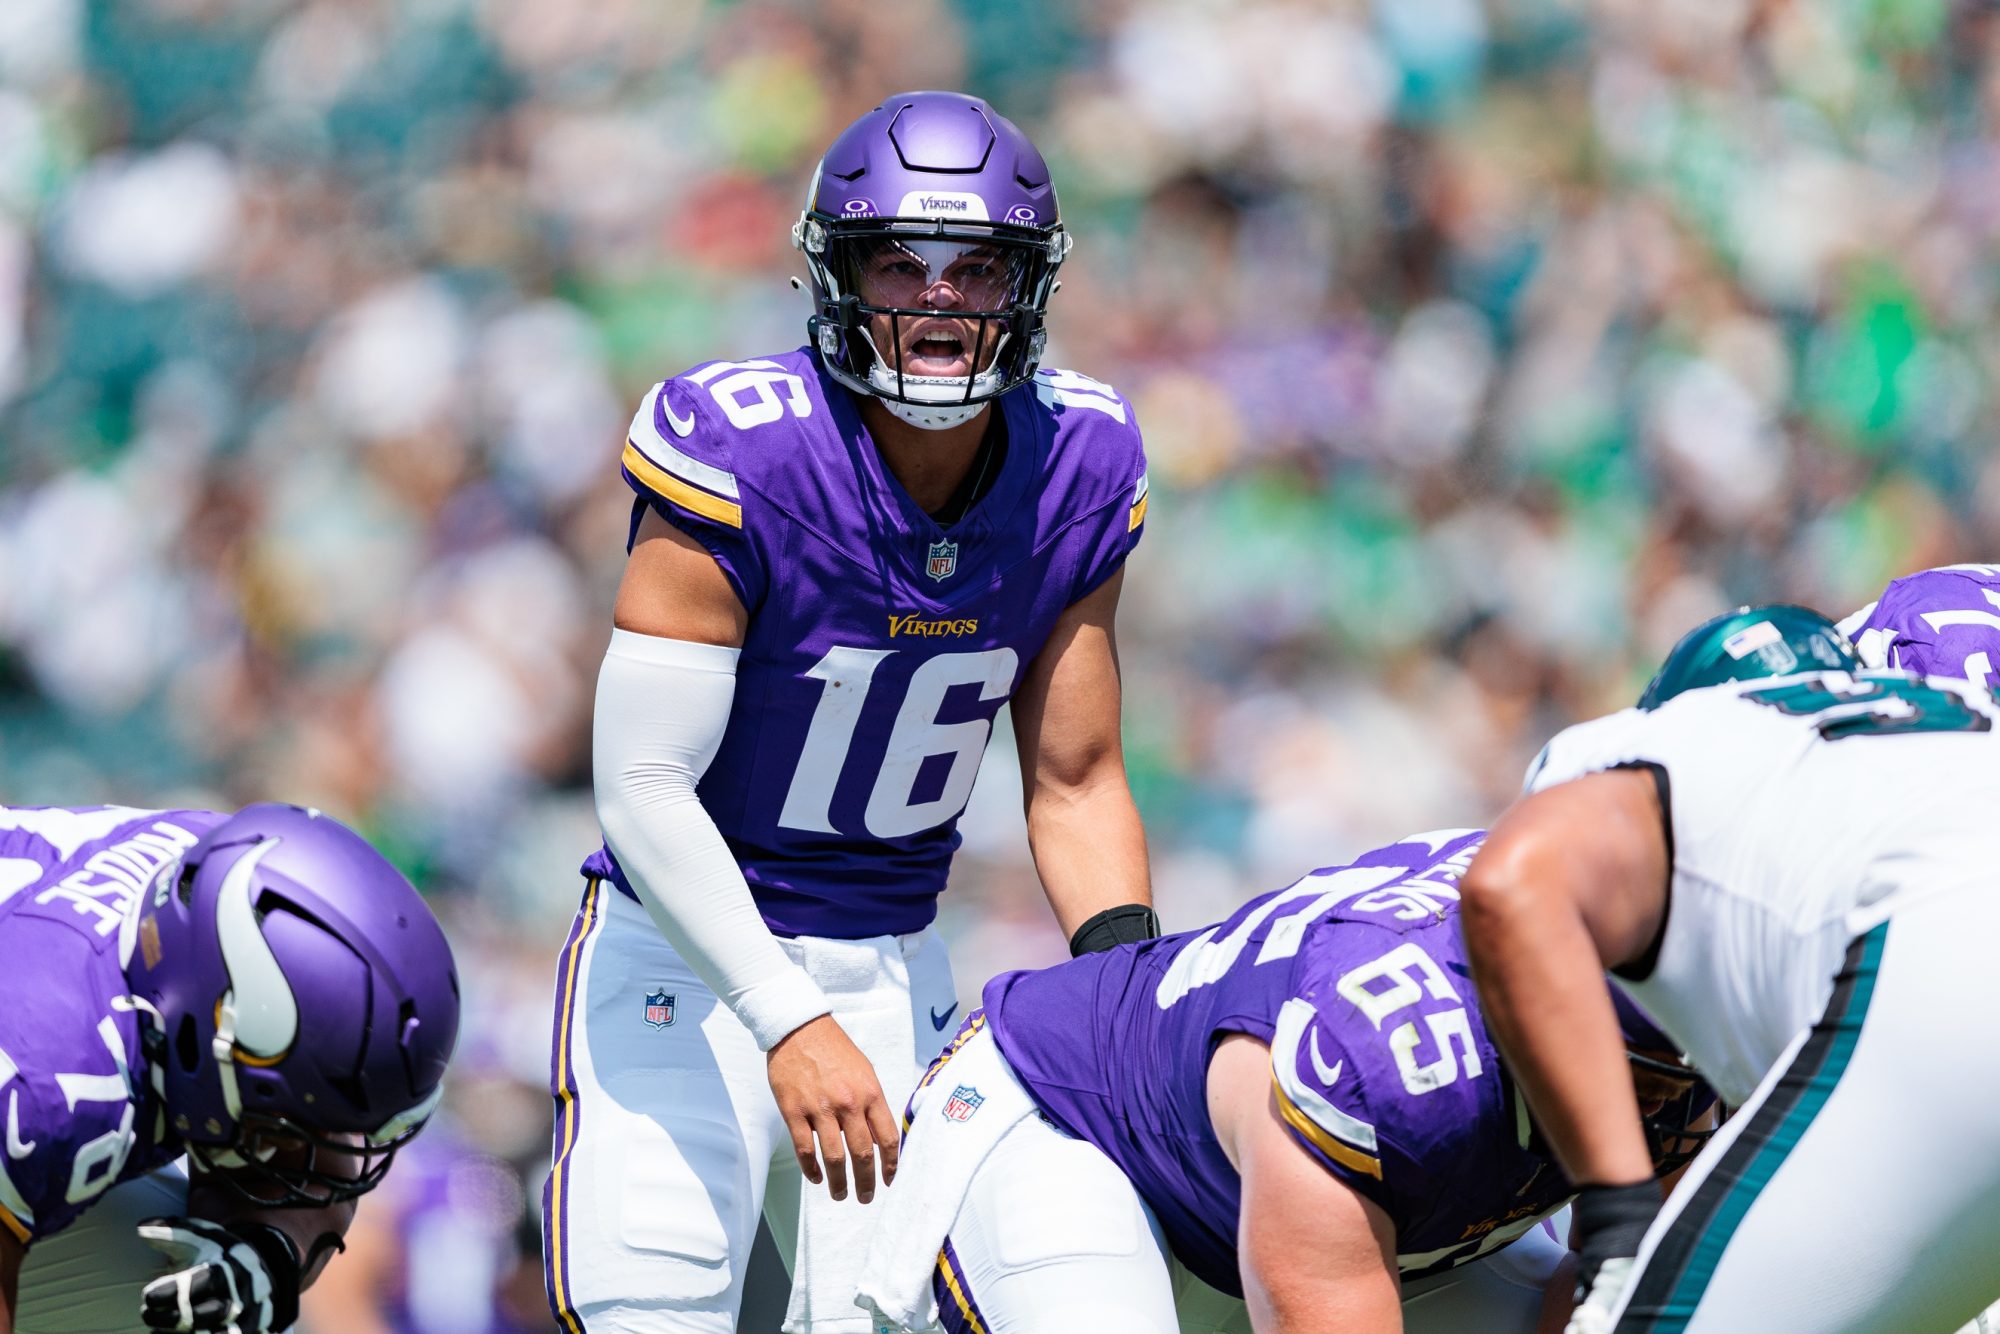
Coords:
932,238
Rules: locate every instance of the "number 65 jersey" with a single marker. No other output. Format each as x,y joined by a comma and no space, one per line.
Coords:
880,646
1381,1065
1801,812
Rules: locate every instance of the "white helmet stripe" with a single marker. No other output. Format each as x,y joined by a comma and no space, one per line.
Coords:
267,1015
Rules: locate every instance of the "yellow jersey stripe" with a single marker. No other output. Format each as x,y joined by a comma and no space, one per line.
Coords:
566,1109
681,493
16,1226
1138,513
669,455
957,1291
1341,1153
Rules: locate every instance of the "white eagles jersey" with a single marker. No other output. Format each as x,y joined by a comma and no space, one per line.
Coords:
1801,812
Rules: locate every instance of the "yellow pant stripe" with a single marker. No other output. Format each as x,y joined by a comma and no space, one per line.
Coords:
566,1108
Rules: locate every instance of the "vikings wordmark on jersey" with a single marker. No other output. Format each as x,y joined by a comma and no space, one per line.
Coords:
880,647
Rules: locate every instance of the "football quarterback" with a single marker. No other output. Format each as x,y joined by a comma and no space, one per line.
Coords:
260,992
844,559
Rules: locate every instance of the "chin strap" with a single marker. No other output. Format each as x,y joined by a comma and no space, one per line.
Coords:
927,418
153,1046
223,1048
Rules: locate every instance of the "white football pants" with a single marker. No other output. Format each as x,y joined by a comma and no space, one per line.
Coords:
87,1278
1858,1190
668,1143
1051,1238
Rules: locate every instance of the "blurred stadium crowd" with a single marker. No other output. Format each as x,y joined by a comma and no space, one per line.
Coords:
1481,349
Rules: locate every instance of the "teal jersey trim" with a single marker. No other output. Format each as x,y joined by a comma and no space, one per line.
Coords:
1677,1275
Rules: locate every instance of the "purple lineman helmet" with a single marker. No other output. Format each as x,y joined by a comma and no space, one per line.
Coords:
1674,1130
305,1002
925,192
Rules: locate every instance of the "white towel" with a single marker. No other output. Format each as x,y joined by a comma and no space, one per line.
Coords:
867,983
968,1103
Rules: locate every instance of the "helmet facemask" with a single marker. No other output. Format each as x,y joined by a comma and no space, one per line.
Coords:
274,1162
934,318
1674,1100
1680,1102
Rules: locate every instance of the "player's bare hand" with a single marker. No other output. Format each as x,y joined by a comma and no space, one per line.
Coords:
827,1092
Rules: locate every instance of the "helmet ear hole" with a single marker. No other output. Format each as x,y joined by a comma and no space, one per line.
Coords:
184,887
187,1044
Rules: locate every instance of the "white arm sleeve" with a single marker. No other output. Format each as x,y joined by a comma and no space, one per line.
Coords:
662,705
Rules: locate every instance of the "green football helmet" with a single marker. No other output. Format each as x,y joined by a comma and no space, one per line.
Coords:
1751,642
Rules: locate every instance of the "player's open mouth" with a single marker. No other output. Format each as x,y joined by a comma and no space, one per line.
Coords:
937,352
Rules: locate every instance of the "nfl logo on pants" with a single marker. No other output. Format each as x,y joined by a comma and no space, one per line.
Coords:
659,1009
962,1103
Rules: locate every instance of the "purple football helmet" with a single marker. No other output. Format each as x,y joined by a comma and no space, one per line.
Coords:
304,1004
931,227
1684,1097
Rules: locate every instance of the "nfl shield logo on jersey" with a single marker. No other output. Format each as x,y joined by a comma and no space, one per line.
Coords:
962,1103
659,1009
944,560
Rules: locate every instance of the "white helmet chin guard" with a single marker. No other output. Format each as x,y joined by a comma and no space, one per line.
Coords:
935,402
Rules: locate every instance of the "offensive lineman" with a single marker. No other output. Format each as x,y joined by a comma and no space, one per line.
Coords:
1299,1104
1792,872
844,560
260,991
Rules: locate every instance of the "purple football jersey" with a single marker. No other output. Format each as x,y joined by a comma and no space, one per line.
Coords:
1356,977
880,646
1942,622
80,1112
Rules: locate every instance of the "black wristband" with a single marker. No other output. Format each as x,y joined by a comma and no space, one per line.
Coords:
1610,1222
1122,925
280,1255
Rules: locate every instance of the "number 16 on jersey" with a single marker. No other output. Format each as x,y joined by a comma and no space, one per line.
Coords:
916,736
